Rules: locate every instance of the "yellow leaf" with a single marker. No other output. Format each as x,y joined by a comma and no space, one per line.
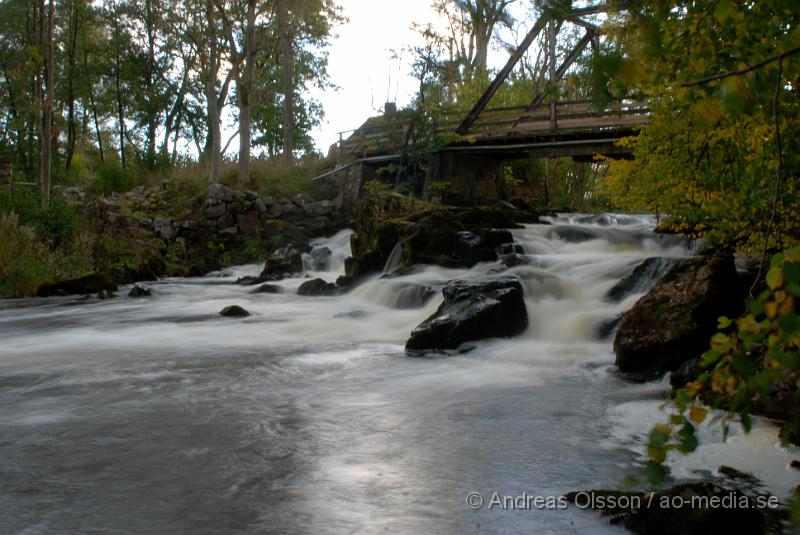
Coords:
787,307
697,414
693,388
730,387
775,278
771,309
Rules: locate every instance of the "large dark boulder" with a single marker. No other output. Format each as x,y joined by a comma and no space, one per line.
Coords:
674,321
430,234
642,278
317,287
284,262
473,310
93,283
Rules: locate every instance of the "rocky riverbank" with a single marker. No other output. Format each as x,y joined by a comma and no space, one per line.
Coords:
171,229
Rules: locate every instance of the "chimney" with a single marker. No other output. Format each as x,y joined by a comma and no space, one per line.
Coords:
389,109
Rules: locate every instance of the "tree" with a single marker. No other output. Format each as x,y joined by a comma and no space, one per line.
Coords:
720,158
472,24
212,72
46,93
720,153
293,59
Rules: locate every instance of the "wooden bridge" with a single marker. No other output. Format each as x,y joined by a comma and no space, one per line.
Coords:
476,145
576,129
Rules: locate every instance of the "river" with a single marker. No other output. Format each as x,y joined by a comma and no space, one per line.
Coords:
156,415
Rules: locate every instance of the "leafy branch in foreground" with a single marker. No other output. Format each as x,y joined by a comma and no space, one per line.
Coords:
751,367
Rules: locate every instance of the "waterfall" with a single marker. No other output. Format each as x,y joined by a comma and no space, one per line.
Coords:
395,259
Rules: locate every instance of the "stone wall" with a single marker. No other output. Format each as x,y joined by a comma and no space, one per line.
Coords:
191,226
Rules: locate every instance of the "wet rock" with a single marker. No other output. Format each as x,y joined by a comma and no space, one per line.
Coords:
414,296
234,311
507,248
479,246
674,321
642,278
268,289
573,234
686,509
345,283
316,287
515,259
93,283
284,262
473,310
607,327
431,234
319,259
138,291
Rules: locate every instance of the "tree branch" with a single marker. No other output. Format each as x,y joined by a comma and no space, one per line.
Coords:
745,70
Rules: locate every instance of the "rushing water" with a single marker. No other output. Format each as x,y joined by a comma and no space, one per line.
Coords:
156,415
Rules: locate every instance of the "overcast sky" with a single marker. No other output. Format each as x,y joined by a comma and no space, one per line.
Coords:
361,64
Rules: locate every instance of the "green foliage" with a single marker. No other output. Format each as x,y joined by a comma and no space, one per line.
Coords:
752,364
26,261
374,187
22,258
56,225
710,159
112,177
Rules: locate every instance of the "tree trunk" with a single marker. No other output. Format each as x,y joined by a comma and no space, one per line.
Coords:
93,106
215,158
481,53
38,82
245,87
150,150
120,111
287,59
48,113
71,50
118,88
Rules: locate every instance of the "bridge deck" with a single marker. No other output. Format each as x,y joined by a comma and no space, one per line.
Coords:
578,129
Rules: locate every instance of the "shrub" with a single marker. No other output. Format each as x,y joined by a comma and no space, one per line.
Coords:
111,177
22,258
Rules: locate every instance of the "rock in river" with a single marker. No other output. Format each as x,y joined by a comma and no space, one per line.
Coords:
675,320
267,289
643,276
234,311
93,283
473,310
138,291
317,287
